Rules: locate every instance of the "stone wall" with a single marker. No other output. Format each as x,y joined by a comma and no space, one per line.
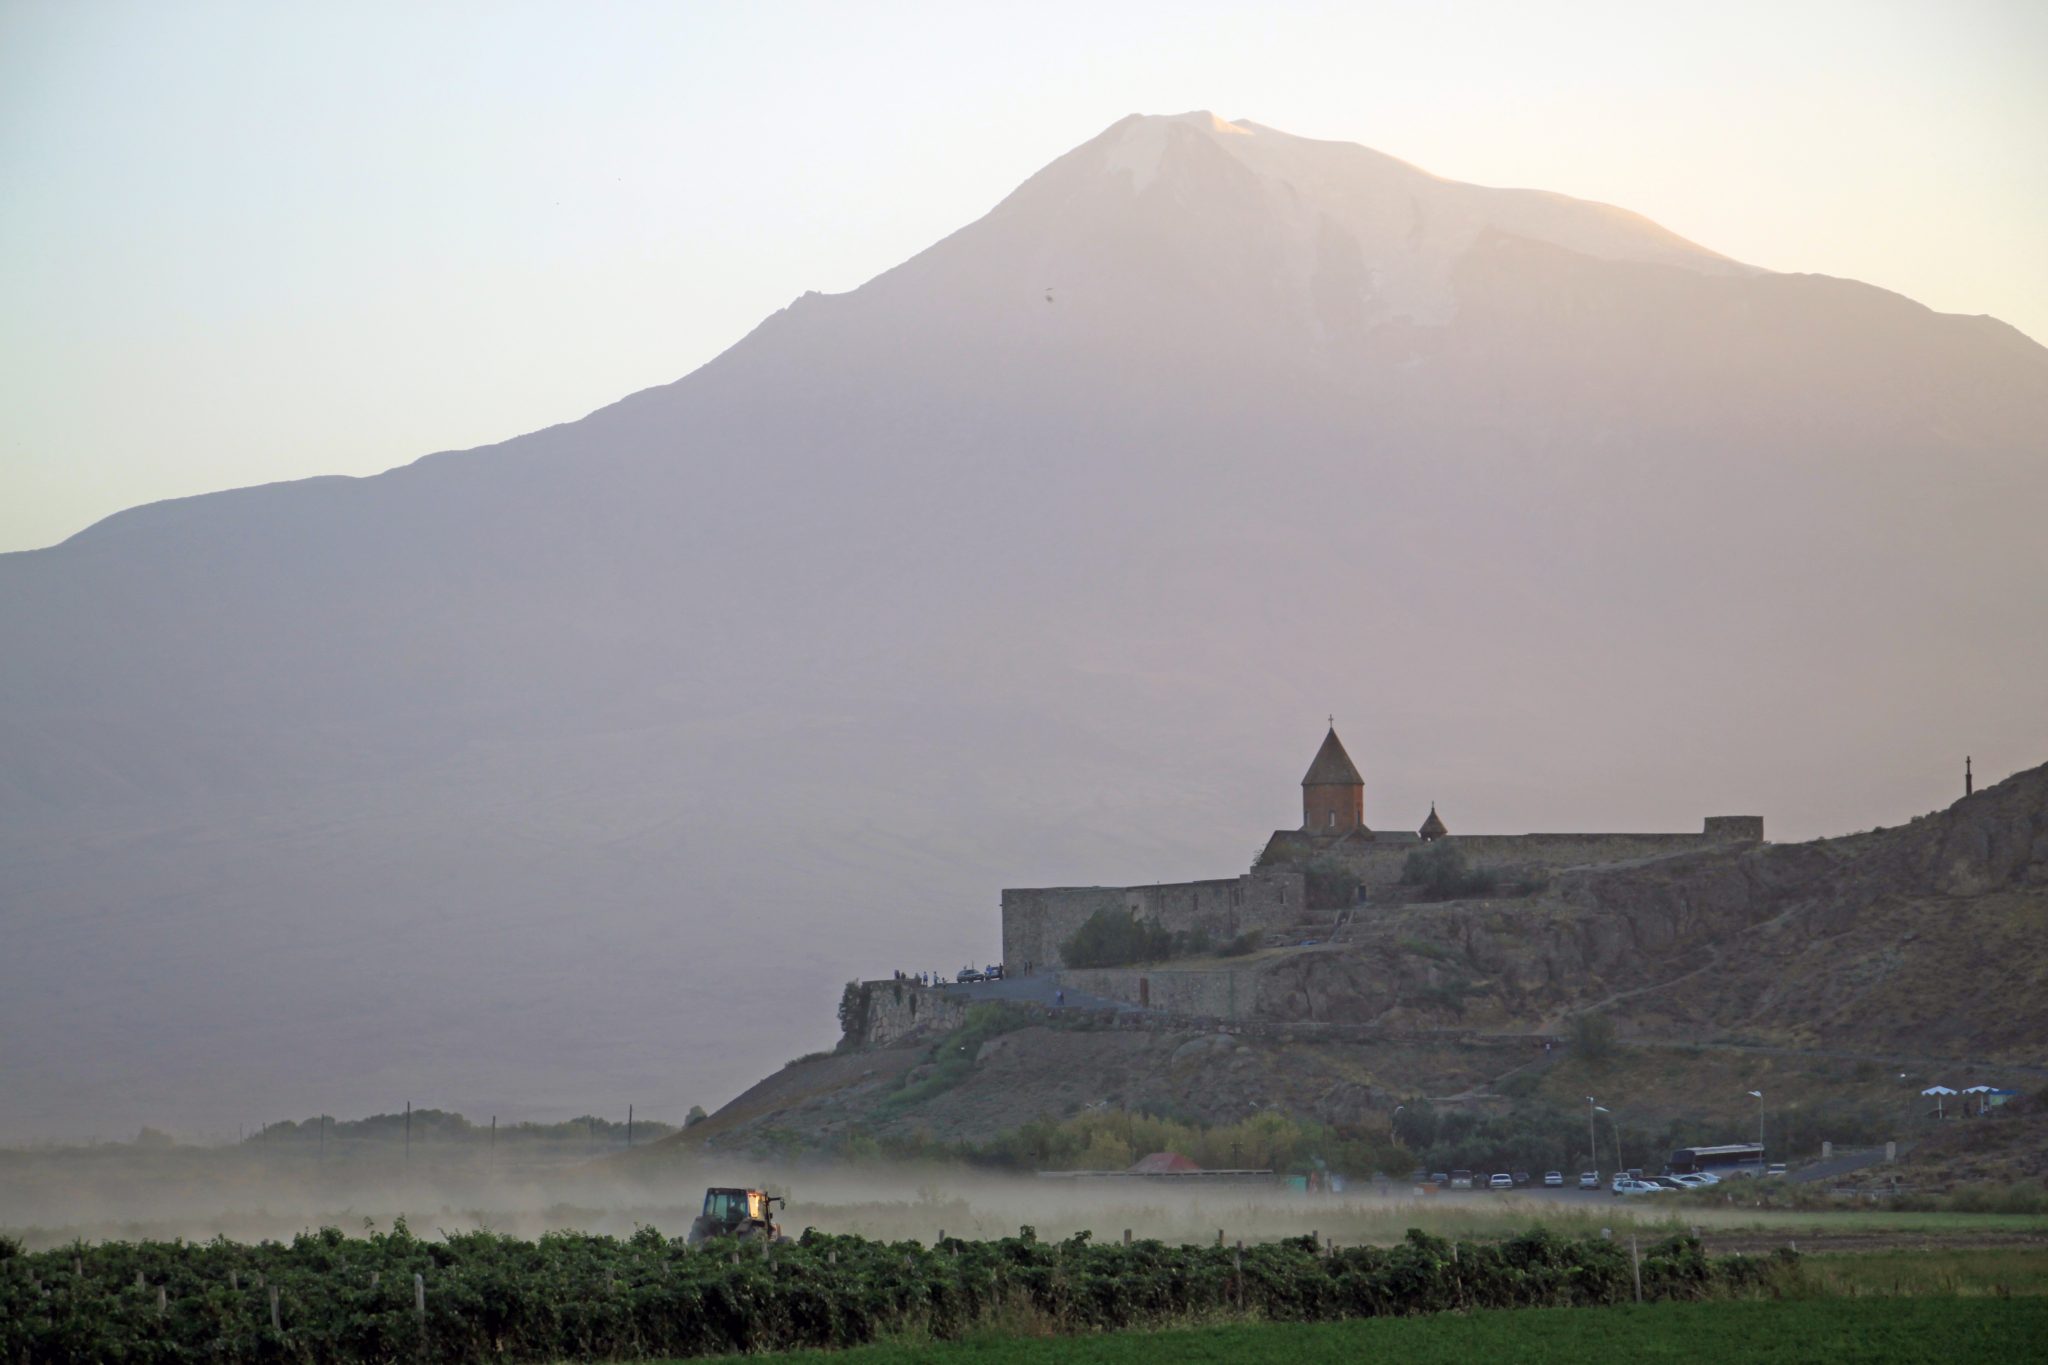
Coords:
1037,920
1378,863
1198,993
873,1013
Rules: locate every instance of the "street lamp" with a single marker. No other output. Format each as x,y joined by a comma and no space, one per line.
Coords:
1758,1095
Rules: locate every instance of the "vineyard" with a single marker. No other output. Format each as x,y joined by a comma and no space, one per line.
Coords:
485,1297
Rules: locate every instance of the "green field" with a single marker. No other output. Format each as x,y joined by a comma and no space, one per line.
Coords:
1806,1331
1996,1271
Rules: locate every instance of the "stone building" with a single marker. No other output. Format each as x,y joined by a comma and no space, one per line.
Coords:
1333,833
1332,792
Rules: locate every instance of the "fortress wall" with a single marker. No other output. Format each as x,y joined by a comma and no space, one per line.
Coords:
884,1011
1037,920
1206,994
1379,865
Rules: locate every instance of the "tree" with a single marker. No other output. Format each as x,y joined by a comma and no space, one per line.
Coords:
1113,938
1593,1036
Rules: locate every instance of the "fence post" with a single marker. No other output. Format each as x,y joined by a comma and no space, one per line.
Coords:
1127,1238
235,1280
1635,1257
1237,1273
276,1319
162,1305
419,1297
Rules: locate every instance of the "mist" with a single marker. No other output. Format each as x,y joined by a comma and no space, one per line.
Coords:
582,770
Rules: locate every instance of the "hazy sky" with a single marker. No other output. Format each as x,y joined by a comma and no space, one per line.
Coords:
247,242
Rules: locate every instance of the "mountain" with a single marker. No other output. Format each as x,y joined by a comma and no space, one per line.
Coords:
573,771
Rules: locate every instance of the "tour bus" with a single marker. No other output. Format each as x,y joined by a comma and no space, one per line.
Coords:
1736,1158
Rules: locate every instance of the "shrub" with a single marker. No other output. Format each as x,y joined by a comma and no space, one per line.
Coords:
1114,938
1329,885
1443,874
1593,1036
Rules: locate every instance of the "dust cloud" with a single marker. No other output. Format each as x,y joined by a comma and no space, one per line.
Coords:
54,1196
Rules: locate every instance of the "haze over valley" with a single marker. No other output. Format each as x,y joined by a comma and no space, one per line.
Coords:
583,769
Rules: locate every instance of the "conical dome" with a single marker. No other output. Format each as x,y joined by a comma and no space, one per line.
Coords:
1333,767
1433,827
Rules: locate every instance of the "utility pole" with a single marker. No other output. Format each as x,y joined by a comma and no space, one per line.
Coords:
408,1132
1764,1165
1592,1138
629,1125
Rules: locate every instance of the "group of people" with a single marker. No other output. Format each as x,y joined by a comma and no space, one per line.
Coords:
992,972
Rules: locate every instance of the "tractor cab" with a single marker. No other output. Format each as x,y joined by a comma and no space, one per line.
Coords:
737,1213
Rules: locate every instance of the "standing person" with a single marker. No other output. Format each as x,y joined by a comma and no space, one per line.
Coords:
1059,998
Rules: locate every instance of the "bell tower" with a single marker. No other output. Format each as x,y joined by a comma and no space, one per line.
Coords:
1332,794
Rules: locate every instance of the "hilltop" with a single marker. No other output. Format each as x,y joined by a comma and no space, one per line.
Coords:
1821,970
492,776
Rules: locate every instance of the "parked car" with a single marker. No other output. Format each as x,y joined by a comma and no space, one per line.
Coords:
1695,1180
1777,1168
1440,1178
1555,1180
1624,1186
1461,1180
969,975
1501,1181
1521,1177
1589,1180
1664,1182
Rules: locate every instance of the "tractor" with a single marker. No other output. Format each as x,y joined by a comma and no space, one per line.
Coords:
745,1214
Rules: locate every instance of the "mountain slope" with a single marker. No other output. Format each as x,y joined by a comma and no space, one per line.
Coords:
1031,561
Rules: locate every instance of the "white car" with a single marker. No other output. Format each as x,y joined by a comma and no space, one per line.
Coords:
1589,1180
1624,1185
1553,1180
1697,1180
1502,1181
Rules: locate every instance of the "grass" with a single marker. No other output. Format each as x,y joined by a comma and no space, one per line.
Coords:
1819,1331
1996,1272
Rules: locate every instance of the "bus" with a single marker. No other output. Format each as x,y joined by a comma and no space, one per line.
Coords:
1736,1158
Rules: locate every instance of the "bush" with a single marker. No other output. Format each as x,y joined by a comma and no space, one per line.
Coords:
1593,1036
493,1298
1329,885
1115,938
1443,874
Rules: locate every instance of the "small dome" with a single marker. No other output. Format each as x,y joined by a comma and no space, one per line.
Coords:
1433,827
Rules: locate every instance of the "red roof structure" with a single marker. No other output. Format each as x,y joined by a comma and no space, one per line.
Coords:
1163,1163
1333,767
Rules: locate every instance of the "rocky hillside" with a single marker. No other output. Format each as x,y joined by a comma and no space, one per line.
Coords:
1826,967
